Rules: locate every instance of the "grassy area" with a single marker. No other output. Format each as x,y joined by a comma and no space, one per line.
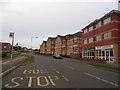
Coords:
9,56
29,59
115,69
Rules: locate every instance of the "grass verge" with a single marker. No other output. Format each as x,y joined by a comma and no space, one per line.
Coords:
14,56
29,59
114,69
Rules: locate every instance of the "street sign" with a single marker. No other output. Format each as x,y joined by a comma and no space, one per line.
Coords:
11,35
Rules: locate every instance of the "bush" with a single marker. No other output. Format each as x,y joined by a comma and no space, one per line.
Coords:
4,55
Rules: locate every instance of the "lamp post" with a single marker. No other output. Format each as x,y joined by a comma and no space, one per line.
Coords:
31,41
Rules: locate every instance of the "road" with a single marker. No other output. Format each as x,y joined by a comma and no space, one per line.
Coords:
59,73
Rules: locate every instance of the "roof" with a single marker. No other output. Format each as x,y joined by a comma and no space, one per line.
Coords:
51,38
60,36
117,12
44,41
68,36
4,43
78,34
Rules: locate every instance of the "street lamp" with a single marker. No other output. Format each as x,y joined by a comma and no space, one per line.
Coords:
31,41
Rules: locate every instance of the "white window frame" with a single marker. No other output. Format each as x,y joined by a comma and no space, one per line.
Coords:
85,41
91,40
85,31
99,24
90,28
108,20
98,37
107,35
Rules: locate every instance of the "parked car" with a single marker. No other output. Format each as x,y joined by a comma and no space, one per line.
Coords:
57,56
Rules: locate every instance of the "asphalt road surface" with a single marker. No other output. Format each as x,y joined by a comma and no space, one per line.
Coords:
47,72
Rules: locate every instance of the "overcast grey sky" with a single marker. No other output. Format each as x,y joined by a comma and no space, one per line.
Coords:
48,18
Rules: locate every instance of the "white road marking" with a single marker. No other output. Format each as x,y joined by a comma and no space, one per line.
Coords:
102,79
8,70
7,62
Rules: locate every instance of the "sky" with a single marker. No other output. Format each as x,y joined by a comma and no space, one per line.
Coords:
48,18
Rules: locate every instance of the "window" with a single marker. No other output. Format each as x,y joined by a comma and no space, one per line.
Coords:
107,35
89,54
71,40
107,20
75,41
98,24
85,31
85,41
70,46
98,37
5,47
91,28
90,40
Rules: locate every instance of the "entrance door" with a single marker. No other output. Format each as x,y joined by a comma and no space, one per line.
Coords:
107,55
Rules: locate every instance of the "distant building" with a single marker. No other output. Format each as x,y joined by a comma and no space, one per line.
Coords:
43,48
58,44
50,44
74,45
25,49
98,41
5,47
101,38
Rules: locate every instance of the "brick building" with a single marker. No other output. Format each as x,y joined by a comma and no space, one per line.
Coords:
5,47
64,45
58,44
43,47
50,46
74,44
101,38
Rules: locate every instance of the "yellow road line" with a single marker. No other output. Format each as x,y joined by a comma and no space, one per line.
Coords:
65,78
58,72
30,81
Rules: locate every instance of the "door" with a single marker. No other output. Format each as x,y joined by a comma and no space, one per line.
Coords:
108,55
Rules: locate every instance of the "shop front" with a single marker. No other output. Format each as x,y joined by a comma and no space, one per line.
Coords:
105,52
88,53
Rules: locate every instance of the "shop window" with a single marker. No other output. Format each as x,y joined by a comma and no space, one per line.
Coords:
108,20
89,54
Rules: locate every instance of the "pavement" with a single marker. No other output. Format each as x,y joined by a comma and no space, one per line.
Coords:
47,72
7,64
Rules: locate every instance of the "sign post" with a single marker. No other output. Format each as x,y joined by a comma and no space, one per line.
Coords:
11,35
